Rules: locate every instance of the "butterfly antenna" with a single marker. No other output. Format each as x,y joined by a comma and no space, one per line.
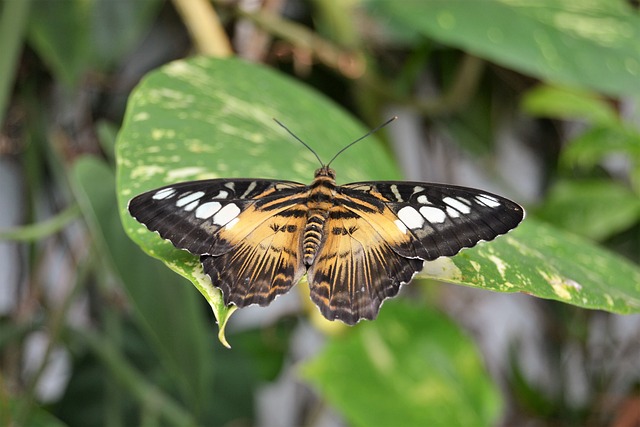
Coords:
362,137
299,140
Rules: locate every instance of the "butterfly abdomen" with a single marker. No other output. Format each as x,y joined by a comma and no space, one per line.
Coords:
321,195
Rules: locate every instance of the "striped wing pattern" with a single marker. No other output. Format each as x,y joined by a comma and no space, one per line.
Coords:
358,266
379,233
358,243
246,237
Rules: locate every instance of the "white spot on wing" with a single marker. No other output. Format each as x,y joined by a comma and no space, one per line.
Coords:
423,199
487,200
401,226
185,200
221,195
433,214
191,206
396,193
226,214
249,189
457,205
165,193
231,223
452,212
206,210
410,217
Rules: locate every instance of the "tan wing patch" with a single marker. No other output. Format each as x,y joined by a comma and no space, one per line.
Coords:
249,220
384,222
266,259
356,267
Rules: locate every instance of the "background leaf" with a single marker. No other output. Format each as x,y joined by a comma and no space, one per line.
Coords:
571,42
182,336
412,366
549,101
137,344
596,209
169,136
88,38
547,262
595,145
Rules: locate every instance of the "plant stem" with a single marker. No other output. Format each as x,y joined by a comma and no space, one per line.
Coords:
203,24
42,229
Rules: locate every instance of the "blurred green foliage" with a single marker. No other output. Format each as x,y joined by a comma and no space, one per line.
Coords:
144,351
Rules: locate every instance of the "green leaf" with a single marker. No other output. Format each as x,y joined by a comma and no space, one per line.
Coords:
565,103
591,44
594,145
597,144
412,367
168,311
189,120
212,118
596,209
549,263
14,18
73,36
36,417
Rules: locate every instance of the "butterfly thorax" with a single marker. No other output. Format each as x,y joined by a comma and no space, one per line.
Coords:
321,194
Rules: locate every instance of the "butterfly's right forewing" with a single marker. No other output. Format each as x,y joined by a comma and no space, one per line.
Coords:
440,219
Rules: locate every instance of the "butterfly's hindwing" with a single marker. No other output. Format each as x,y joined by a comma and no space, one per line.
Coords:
266,260
356,268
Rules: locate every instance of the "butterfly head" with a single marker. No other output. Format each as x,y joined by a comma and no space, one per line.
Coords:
325,171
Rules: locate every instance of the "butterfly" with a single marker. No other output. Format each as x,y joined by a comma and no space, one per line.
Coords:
357,243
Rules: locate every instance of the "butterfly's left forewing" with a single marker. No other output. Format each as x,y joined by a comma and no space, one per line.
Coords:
248,233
